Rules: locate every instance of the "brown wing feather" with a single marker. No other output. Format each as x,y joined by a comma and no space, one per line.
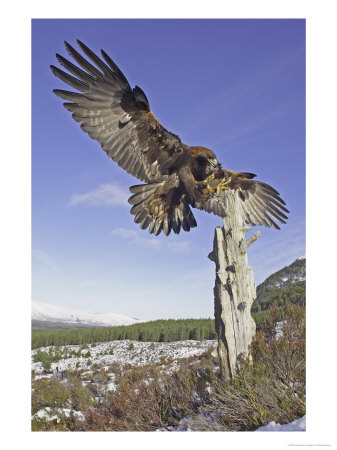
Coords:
118,117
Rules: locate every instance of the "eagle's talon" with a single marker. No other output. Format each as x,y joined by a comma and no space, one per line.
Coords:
218,188
223,185
207,183
211,189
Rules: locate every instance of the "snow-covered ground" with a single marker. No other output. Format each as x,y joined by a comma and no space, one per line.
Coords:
279,329
55,413
296,425
124,352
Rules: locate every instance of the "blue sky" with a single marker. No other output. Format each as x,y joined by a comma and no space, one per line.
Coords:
235,86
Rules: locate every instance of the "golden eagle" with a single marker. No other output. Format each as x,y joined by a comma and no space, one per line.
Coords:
176,176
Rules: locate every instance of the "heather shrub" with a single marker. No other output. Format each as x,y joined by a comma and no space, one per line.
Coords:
252,400
273,387
100,376
115,367
149,398
283,356
53,393
47,425
49,392
80,397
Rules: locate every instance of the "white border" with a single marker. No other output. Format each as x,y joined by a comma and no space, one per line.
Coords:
15,201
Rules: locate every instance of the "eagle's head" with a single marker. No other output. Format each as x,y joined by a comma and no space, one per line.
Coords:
212,165
206,156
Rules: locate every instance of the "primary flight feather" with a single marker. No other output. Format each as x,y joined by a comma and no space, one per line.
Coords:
175,176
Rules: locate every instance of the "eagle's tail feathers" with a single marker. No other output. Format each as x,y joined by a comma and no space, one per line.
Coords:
153,209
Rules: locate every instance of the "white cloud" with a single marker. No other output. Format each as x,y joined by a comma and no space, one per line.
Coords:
179,247
135,237
124,233
138,238
103,195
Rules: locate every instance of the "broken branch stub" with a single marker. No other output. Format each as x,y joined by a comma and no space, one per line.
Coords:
235,290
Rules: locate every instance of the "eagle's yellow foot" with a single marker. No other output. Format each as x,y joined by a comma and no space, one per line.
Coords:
210,178
207,181
223,185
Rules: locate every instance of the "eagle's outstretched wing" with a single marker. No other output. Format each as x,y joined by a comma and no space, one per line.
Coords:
176,175
260,203
118,117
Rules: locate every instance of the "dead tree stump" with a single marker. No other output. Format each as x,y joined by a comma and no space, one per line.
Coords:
234,290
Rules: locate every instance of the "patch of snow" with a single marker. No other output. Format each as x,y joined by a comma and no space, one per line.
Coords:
296,425
67,412
87,372
45,413
111,386
208,389
49,413
39,377
279,330
37,367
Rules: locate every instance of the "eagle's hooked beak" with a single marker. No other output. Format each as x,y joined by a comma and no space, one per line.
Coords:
213,162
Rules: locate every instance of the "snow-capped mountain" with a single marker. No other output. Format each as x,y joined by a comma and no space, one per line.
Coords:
46,312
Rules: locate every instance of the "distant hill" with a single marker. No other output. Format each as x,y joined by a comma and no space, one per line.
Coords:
45,324
285,277
286,284
46,315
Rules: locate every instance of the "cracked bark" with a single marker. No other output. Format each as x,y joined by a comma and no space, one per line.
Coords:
234,290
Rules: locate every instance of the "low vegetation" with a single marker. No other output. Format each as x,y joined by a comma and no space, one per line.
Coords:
160,396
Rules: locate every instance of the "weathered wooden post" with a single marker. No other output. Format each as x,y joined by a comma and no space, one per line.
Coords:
234,290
